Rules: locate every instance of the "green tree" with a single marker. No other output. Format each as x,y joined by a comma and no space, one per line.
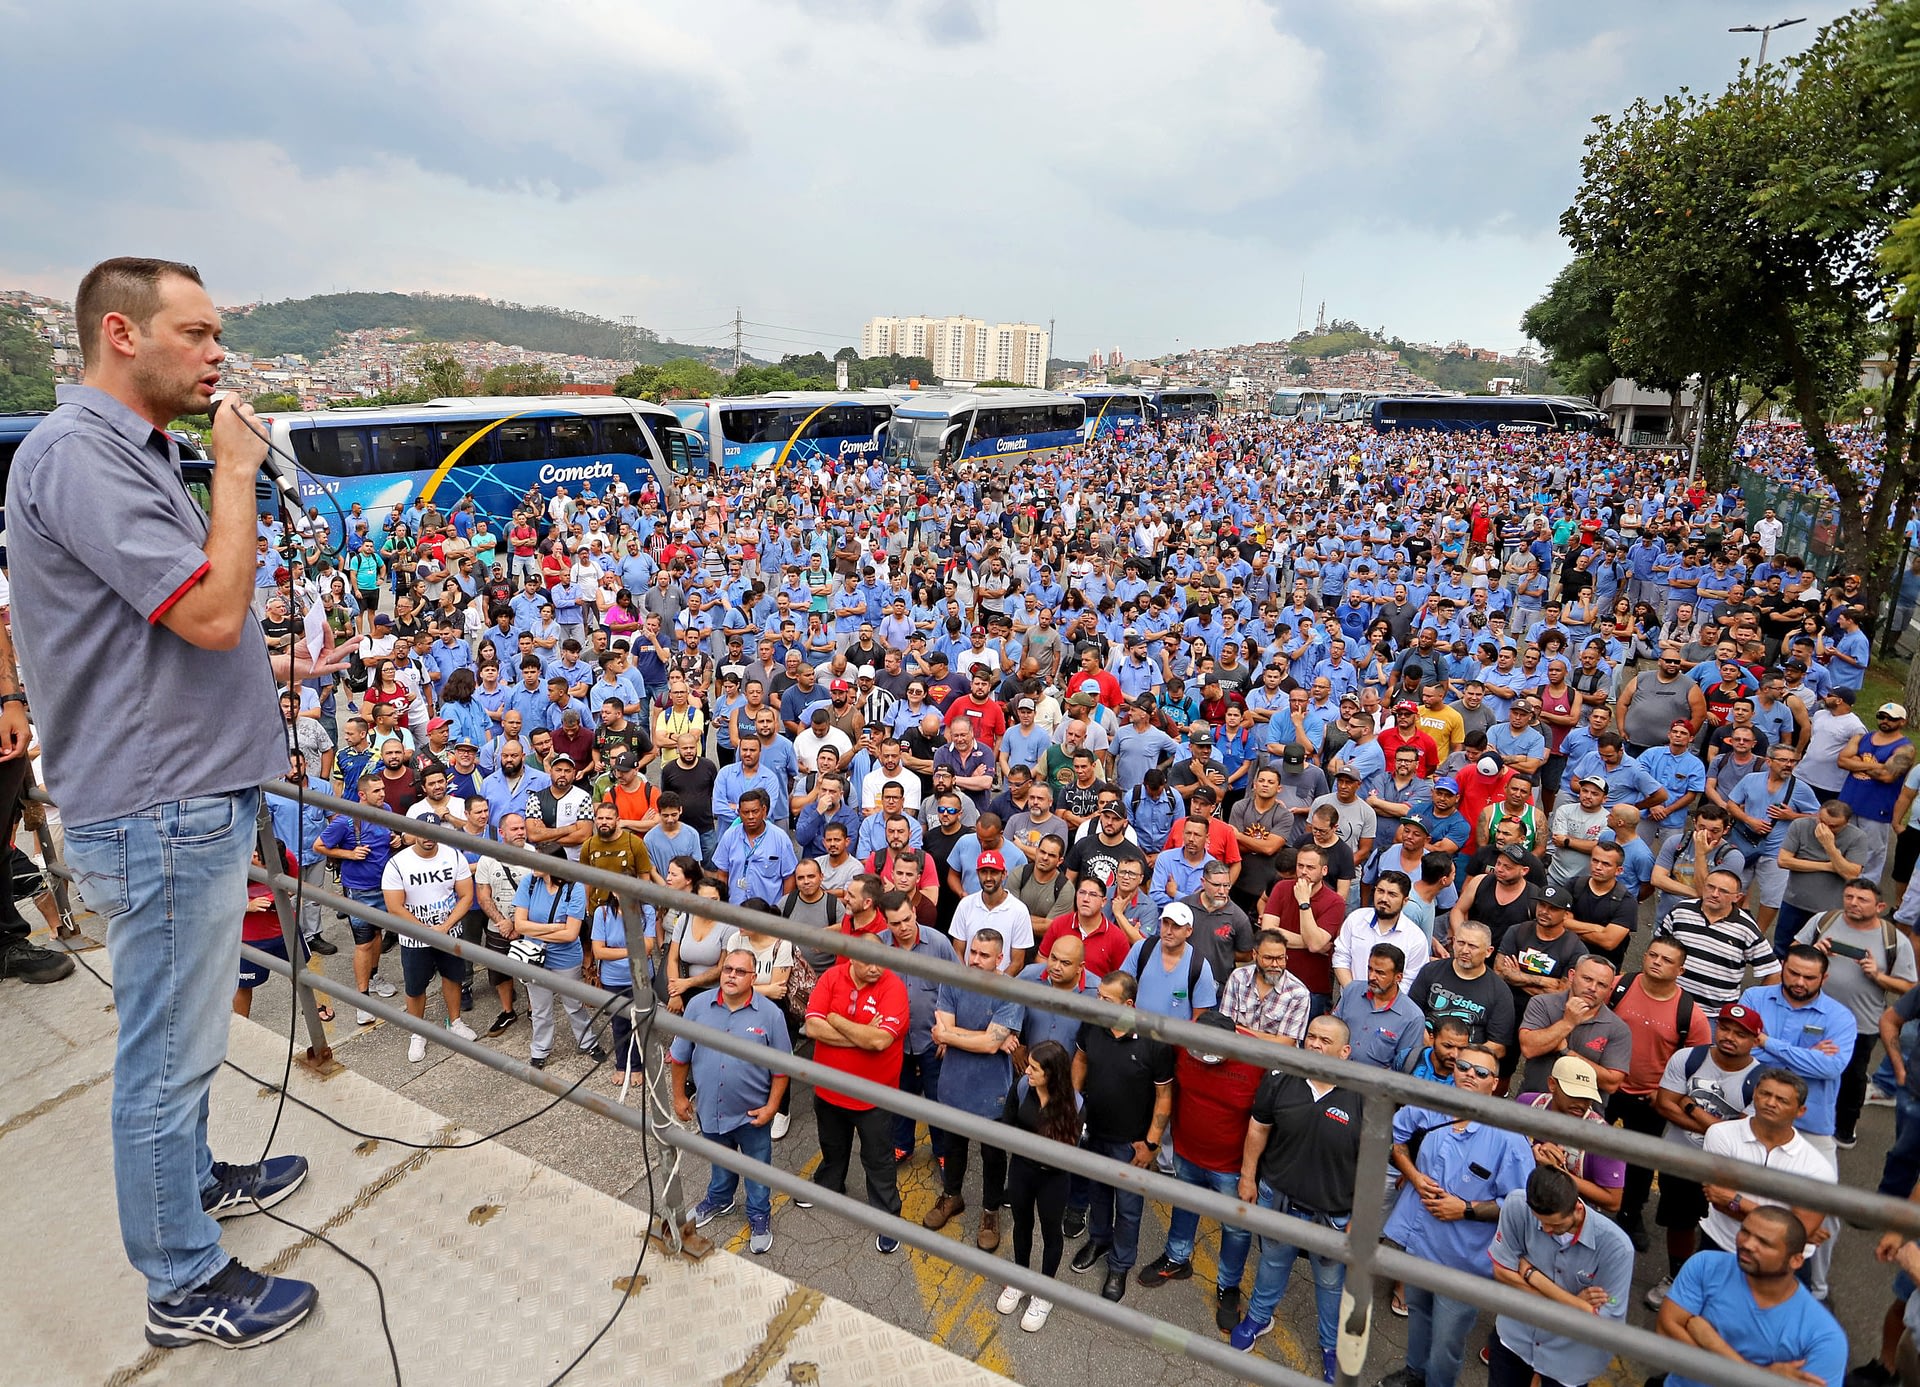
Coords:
276,402
1000,383
440,374
1574,321
520,378
682,378
26,369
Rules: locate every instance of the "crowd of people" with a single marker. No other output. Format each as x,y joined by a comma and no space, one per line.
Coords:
1513,764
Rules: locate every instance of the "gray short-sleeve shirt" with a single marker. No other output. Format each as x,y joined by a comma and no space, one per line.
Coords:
103,538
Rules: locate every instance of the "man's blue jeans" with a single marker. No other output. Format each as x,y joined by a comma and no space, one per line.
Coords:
756,1144
919,1075
1437,1329
171,881
1114,1215
1185,1223
1276,1269
1902,1166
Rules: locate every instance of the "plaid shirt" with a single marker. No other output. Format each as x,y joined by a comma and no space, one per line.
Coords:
1285,1009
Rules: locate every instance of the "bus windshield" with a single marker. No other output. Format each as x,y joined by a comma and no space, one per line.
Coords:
915,443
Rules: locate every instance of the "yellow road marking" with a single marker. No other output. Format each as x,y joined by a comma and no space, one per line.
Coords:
1285,1344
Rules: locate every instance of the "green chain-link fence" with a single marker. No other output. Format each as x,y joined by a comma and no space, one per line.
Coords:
1812,523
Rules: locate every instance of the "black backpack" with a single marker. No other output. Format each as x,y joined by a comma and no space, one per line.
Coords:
1697,1057
1682,1011
1194,964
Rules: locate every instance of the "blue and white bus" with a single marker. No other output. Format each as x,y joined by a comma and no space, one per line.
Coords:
1182,404
789,428
1296,402
494,449
938,428
1112,409
1488,414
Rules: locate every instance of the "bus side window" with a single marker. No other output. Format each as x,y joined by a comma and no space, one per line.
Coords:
570,438
619,435
451,436
343,452
401,448
520,441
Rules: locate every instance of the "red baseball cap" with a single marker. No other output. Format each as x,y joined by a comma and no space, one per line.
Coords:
1746,1018
990,861
1680,723
840,686
1403,706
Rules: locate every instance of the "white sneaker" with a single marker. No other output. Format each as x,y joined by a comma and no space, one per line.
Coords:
363,1018
1036,1317
416,1049
380,987
462,1029
1878,1097
1657,1293
781,1122
1009,1300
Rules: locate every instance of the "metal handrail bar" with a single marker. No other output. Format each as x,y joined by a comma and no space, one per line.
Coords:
1129,1320
1864,1208
1619,1336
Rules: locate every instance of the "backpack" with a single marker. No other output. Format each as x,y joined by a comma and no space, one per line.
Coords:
1059,883
1682,1010
1697,1056
1889,941
802,977
1194,964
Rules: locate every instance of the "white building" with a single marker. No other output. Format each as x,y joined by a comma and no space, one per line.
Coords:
963,348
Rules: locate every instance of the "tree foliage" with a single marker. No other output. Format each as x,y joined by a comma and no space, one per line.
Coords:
312,326
275,402
521,378
1574,321
682,378
439,374
26,374
1752,239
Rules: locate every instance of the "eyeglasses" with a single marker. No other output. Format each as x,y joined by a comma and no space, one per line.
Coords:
747,971
943,810
1479,1071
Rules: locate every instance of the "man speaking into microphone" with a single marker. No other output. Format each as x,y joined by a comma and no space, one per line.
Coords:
131,609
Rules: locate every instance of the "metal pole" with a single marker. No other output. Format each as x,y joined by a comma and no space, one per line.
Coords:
1363,1241
67,934
1481,1291
1699,428
319,1052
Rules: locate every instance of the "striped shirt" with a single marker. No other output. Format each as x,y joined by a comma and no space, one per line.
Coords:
1718,954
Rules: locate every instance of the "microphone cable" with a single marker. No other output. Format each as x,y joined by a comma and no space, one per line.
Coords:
642,1021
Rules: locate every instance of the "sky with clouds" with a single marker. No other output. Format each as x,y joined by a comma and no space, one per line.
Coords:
1149,175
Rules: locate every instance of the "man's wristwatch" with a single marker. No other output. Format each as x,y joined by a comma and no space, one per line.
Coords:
1153,1146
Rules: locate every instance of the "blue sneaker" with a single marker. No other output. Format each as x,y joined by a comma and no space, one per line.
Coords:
244,1189
884,1245
1245,1332
236,1308
706,1211
1329,1365
759,1235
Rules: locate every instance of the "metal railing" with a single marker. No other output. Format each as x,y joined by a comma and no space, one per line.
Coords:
1359,1248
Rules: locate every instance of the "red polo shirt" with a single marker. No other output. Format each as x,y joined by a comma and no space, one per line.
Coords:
883,1005
1107,947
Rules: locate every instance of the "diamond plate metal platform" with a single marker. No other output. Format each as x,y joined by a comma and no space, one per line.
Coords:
497,1269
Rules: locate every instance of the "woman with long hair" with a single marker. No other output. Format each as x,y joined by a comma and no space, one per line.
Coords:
1042,1102
698,944
384,687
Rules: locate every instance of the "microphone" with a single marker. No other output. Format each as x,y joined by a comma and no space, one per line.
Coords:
276,465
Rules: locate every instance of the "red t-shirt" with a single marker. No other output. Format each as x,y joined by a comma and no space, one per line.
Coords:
1329,912
1391,741
1222,845
884,1005
989,719
1107,947
1106,688
1211,1105
1654,1036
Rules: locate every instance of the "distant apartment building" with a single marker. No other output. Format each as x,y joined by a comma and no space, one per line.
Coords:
963,348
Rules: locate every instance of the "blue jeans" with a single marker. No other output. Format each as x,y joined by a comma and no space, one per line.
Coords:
919,1075
1185,1223
1276,1269
1437,1329
756,1144
1113,1217
172,883
1902,1166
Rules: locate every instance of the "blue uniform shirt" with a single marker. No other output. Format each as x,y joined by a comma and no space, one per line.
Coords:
729,1088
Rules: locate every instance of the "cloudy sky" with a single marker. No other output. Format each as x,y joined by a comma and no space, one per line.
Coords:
1147,174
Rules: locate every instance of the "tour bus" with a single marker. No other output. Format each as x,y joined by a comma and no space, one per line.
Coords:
1488,414
804,428
938,428
1182,404
492,449
1296,402
1113,408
